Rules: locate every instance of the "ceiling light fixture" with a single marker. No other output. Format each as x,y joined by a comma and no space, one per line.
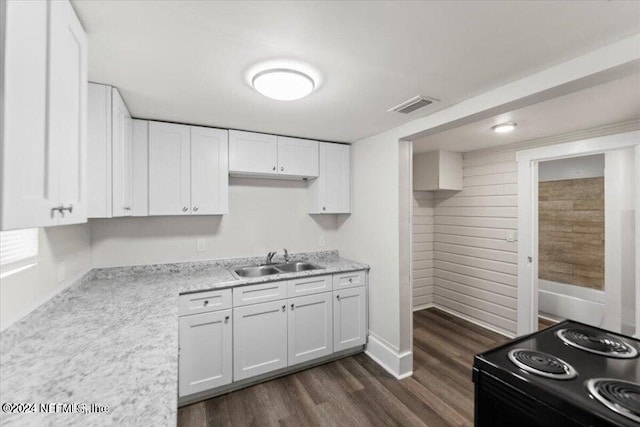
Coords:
504,127
283,84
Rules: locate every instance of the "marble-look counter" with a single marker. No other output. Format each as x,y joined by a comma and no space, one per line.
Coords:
112,339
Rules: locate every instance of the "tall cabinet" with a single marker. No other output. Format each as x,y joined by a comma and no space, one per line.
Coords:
188,170
331,191
44,85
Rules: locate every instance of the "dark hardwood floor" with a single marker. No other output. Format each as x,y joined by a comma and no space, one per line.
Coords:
357,392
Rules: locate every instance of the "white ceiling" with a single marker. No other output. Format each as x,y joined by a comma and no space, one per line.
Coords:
612,102
186,61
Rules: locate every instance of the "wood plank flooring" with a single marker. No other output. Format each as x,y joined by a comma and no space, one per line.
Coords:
355,391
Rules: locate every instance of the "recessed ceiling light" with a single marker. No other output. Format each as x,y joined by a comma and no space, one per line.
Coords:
283,84
504,127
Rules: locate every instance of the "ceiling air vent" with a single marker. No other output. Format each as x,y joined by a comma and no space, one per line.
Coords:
413,104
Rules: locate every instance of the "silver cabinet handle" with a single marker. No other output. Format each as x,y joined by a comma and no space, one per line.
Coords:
324,208
281,168
226,318
338,297
350,280
127,208
284,307
68,208
185,209
292,306
57,208
206,302
195,209
274,168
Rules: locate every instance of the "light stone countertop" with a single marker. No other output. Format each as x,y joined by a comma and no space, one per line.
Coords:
112,339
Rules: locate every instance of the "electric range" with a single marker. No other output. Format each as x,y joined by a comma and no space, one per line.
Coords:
570,374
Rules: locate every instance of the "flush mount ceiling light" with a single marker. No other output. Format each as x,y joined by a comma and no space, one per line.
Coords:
504,127
283,84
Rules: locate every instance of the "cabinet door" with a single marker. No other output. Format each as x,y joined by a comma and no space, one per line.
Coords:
121,145
140,168
26,194
259,339
252,153
67,109
99,164
349,318
297,157
205,352
169,169
331,192
310,327
209,171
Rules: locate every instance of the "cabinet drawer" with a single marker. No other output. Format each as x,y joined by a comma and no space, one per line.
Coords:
308,286
203,302
349,280
245,295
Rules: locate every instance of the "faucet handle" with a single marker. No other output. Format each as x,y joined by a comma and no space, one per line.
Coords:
286,255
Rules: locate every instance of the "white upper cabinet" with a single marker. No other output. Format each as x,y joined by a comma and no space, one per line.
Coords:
209,171
437,170
188,170
44,115
331,192
252,153
140,167
169,169
110,154
297,157
258,154
122,155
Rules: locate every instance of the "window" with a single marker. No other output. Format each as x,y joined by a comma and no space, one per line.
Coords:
18,250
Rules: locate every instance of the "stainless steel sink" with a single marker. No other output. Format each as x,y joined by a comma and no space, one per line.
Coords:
267,270
255,271
295,266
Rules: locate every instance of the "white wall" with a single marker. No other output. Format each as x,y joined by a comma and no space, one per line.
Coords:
422,249
571,168
264,215
65,255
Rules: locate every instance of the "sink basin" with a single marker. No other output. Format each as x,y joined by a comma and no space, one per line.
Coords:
291,267
255,271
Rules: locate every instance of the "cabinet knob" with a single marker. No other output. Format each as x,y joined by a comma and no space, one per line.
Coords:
185,209
226,318
292,305
338,297
195,209
206,302
281,168
274,168
284,307
127,208
324,208
350,280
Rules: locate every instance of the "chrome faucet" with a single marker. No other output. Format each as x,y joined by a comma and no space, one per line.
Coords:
270,256
286,255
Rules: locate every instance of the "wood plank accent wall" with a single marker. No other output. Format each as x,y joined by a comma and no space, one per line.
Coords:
422,250
475,268
571,232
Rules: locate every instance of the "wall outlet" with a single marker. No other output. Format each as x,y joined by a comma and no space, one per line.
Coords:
201,245
62,271
321,241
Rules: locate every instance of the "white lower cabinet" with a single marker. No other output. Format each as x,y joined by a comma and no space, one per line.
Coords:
349,318
310,328
259,339
205,351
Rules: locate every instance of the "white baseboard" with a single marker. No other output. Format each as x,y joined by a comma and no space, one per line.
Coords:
475,321
400,365
423,306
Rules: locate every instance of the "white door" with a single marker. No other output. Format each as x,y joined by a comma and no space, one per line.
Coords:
122,153
349,318
310,327
205,352
67,131
209,171
297,157
169,169
259,339
253,153
26,194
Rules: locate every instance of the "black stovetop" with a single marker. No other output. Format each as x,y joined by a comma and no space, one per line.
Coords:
557,392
